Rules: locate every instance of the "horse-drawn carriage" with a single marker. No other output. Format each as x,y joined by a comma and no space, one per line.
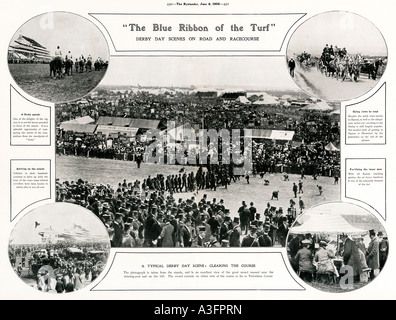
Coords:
339,67
372,67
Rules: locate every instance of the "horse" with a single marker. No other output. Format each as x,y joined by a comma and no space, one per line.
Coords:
81,65
371,68
56,66
69,67
88,65
331,69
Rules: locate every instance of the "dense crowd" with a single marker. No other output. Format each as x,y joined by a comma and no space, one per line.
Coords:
313,131
146,213
72,265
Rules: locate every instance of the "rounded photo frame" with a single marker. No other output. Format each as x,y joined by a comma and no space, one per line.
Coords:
59,248
58,56
337,247
336,56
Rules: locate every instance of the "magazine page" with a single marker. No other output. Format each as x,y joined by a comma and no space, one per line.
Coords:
197,150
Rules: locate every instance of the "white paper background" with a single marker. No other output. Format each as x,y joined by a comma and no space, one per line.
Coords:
17,13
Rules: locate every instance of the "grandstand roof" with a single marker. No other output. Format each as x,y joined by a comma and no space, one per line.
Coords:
272,134
129,122
76,127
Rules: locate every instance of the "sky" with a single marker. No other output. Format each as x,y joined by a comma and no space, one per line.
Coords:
69,31
59,216
344,29
214,72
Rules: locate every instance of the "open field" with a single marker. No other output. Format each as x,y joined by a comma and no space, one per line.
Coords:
70,168
35,80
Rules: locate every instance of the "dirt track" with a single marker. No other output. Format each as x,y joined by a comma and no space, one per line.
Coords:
317,84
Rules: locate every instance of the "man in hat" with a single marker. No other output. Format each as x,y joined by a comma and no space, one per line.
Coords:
383,249
185,233
118,230
265,240
225,227
253,212
250,240
372,254
225,243
128,240
292,66
301,204
203,230
244,215
167,234
214,225
283,230
295,189
235,233
152,230
213,243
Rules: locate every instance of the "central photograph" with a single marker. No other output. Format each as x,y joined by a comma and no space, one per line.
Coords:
215,151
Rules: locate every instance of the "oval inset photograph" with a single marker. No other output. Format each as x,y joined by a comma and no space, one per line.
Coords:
337,56
59,248
58,57
337,247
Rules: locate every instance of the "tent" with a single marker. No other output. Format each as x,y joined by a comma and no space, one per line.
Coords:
331,147
319,106
328,224
81,120
266,99
243,99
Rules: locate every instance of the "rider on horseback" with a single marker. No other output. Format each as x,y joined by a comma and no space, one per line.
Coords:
58,53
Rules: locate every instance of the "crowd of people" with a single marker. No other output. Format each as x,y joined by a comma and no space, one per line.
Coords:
321,260
146,213
59,267
312,131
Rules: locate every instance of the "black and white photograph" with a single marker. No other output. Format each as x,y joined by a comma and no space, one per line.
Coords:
198,149
59,248
58,56
151,152
337,56
338,247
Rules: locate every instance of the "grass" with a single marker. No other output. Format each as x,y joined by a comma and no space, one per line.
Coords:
112,172
35,80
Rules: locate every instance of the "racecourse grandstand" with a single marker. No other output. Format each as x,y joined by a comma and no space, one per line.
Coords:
25,49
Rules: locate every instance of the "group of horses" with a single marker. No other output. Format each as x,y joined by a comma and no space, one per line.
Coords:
60,67
349,67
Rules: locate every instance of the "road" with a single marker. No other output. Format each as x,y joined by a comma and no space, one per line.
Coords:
317,84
